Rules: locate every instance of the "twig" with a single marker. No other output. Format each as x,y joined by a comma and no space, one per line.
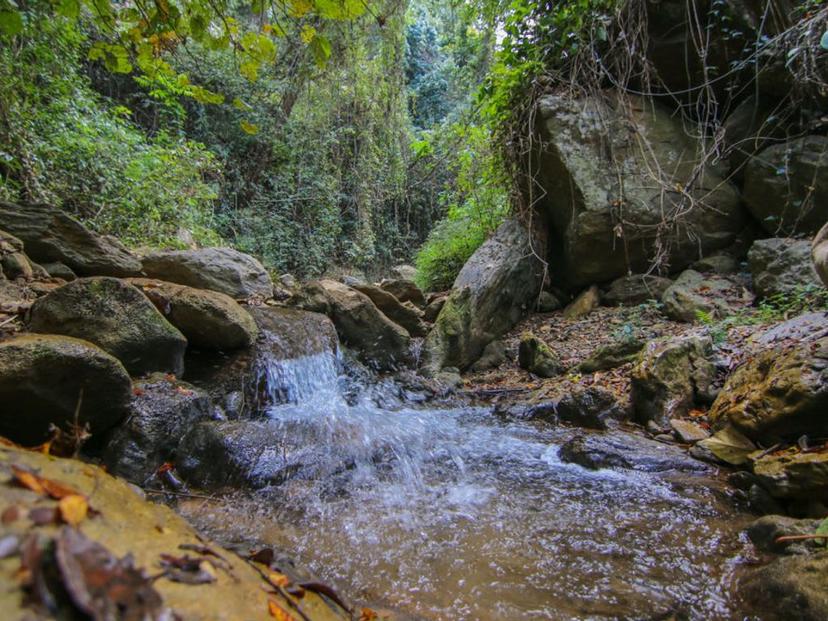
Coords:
181,494
9,320
785,538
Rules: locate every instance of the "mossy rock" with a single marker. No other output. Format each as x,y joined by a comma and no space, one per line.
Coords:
537,358
45,378
115,316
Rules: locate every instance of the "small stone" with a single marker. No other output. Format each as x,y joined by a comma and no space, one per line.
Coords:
584,304
666,438
687,431
537,358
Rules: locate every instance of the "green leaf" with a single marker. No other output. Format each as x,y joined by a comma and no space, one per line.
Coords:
11,22
321,48
822,529
68,8
248,127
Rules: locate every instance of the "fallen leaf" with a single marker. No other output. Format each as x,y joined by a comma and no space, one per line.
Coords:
277,612
41,516
10,514
368,615
73,509
27,479
277,579
188,570
264,556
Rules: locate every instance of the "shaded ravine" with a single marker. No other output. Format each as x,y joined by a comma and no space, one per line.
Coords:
458,514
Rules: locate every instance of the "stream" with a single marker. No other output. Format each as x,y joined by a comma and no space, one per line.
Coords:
456,513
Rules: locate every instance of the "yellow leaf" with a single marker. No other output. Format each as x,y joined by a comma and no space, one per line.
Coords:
277,579
277,612
73,509
308,33
248,127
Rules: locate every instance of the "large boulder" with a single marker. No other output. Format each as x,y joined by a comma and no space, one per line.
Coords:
163,410
780,393
672,375
819,252
405,314
50,235
781,266
209,319
790,587
115,316
635,289
405,291
786,186
495,289
794,475
219,269
360,324
693,295
44,379
618,181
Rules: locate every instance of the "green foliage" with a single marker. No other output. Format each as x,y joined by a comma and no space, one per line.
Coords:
62,144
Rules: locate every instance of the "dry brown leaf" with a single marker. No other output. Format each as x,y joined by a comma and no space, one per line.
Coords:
10,514
27,479
368,615
277,579
277,612
73,509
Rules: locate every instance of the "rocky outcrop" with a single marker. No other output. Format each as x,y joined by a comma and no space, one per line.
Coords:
139,533
13,261
786,186
162,411
635,289
671,377
359,323
608,214
115,316
593,408
209,319
693,295
781,266
780,393
497,286
537,358
43,379
218,269
50,235
405,291
794,475
819,252
405,314
434,306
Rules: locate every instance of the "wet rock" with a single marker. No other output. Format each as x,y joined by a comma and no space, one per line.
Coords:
584,304
805,328
126,523
728,445
548,302
219,269
209,319
50,235
59,270
593,408
761,502
611,356
43,378
542,410
591,241
404,314
628,451
781,266
764,532
162,411
493,356
635,289
819,253
780,393
405,291
671,376
794,475
791,587
786,186
537,358
404,272
495,289
359,323
115,316
432,310
692,294
687,431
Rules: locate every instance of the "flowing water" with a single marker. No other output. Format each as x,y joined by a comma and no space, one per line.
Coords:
456,513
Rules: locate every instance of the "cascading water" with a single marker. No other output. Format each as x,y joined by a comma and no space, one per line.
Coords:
455,513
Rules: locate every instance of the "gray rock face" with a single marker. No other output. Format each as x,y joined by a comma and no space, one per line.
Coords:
405,314
819,252
672,375
42,379
495,289
635,289
209,319
627,451
116,317
49,235
781,266
786,186
604,225
359,323
792,587
593,408
692,294
162,411
219,269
